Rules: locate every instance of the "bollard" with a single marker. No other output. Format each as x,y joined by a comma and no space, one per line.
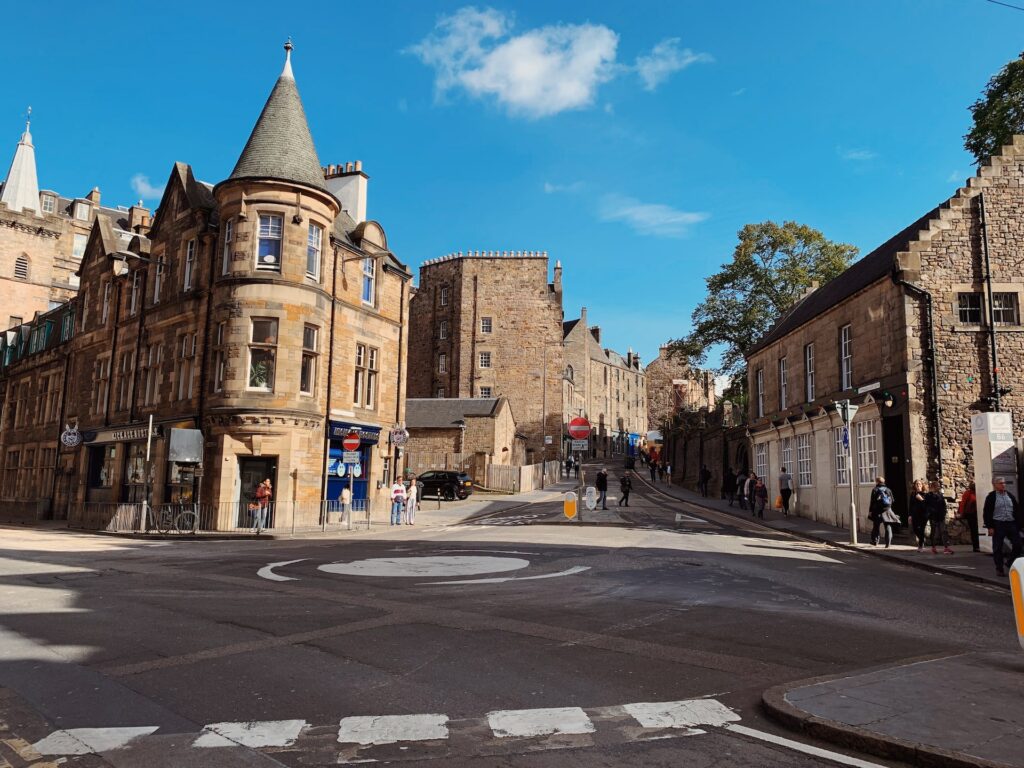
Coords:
569,508
1017,591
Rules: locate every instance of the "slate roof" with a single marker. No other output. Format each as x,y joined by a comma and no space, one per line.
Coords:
443,412
281,146
875,266
568,325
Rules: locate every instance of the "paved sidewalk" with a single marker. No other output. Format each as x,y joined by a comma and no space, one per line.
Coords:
964,563
955,711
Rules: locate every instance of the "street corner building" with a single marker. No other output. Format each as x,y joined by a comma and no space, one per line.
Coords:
255,323
489,324
922,334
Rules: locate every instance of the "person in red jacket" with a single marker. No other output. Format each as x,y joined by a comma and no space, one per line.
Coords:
968,512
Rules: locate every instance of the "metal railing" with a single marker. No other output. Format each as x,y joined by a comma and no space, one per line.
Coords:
228,517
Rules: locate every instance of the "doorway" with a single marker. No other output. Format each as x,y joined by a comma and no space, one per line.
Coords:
894,468
253,470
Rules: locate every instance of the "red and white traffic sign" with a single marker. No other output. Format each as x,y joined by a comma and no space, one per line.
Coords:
351,441
579,428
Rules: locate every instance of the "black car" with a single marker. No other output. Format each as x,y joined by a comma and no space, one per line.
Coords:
445,484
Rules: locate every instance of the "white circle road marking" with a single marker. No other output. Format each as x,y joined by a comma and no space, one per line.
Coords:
419,567
267,571
568,572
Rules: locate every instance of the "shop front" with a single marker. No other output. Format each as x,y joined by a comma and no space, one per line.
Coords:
357,476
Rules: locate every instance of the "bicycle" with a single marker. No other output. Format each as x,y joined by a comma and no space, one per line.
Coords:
173,518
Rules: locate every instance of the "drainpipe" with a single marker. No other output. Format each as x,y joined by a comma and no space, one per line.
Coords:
933,382
991,311
330,382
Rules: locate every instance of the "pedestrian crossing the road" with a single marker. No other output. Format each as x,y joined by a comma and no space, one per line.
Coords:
371,738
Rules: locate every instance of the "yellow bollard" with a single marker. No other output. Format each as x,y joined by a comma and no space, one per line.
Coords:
569,505
1017,590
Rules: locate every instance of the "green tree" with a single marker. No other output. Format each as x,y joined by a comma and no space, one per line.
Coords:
999,113
770,270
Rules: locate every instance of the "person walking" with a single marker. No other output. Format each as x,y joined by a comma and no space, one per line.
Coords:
703,479
741,488
968,512
601,483
918,513
397,501
412,497
653,466
785,490
935,506
625,486
880,512
1003,519
668,473
749,491
568,467
661,471
264,494
346,505
729,485
760,497
576,469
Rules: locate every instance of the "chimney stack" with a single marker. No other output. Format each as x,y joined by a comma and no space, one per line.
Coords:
94,196
348,183
138,219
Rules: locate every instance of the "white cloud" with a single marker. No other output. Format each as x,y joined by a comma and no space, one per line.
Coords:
722,383
954,178
551,189
145,190
649,218
856,155
538,73
664,60
739,91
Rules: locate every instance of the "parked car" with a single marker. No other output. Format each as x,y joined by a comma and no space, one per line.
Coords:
446,484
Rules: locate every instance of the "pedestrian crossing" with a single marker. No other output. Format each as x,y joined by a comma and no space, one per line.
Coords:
371,738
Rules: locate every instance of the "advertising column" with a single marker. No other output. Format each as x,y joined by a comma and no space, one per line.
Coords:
994,456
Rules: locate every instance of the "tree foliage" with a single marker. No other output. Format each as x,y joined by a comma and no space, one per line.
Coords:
999,113
770,270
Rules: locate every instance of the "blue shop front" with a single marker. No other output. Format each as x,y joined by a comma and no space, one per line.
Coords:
339,474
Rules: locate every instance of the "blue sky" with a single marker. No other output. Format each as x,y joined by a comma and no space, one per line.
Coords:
629,140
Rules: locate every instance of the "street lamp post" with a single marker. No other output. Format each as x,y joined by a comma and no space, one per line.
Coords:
544,407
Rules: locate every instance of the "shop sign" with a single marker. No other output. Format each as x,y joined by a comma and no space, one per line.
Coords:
399,436
367,435
123,434
71,437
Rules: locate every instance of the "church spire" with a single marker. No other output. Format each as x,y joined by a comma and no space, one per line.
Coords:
280,146
21,188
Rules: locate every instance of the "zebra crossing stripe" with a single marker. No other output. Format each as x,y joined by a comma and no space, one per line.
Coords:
391,729
258,733
86,741
681,714
529,723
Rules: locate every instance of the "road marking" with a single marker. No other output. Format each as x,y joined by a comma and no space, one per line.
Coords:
528,723
85,741
682,518
500,579
807,749
267,571
391,729
681,714
257,733
426,566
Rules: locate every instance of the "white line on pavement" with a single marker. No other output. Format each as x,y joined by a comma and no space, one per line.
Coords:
567,572
267,571
258,733
681,714
390,729
85,741
527,723
807,749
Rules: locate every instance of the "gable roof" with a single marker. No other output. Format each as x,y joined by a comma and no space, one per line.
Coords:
875,266
444,412
568,325
280,146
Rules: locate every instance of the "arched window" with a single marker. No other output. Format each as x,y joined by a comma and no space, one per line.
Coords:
568,372
21,268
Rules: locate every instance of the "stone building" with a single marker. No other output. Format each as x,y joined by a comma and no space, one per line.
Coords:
609,389
674,387
474,431
489,324
907,334
258,311
43,237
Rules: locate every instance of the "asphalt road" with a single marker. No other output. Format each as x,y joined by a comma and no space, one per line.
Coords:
481,644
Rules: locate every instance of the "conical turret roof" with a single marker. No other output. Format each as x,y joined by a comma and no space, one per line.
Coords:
21,189
281,146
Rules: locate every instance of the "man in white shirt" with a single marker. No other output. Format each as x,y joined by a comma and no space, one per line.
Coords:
397,502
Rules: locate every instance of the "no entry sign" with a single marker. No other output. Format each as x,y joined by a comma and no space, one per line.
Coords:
579,428
351,441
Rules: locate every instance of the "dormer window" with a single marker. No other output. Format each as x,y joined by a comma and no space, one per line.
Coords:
268,257
49,203
83,211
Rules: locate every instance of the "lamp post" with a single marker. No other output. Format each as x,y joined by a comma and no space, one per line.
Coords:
544,407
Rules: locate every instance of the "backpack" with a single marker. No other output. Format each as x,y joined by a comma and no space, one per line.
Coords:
884,496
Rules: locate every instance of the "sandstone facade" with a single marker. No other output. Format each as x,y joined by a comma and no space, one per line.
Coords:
674,387
917,378
488,324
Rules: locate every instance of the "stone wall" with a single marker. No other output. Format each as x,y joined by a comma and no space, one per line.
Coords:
707,438
673,386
